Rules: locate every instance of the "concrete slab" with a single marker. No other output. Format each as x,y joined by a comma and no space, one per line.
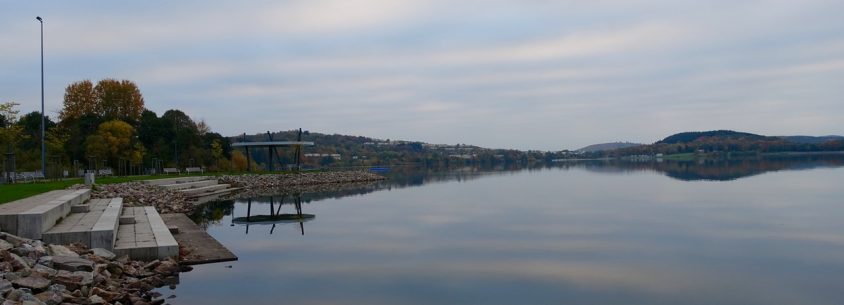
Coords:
146,239
201,247
176,180
189,185
95,229
195,192
30,217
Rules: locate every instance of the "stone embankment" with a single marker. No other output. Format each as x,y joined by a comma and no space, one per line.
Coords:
32,272
140,194
255,185
168,201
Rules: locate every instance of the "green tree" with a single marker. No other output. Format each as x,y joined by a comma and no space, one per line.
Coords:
9,129
113,141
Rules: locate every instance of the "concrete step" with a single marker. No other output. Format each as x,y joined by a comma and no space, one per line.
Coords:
200,191
211,196
30,217
189,185
176,180
96,228
146,239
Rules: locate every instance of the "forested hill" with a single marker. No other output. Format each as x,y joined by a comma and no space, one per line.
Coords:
811,139
607,146
686,137
347,150
724,141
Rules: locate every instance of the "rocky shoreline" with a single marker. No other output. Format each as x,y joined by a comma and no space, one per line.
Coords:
140,194
32,272
167,201
258,185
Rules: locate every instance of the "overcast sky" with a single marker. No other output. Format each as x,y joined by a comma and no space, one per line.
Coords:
526,74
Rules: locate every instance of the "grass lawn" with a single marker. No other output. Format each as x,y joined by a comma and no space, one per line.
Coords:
12,192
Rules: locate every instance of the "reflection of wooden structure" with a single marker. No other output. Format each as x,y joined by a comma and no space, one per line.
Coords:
271,149
275,217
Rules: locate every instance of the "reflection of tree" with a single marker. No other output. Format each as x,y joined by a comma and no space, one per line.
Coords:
410,176
212,212
719,170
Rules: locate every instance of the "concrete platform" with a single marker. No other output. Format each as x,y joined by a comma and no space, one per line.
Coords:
146,239
30,217
96,228
200,191
201,247
189,185
177,180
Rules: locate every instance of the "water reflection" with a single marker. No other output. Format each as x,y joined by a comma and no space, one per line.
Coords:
275,216
415,176
576,233
713,170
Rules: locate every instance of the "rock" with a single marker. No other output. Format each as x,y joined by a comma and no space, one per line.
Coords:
59,250
50,297
167,268
6,267
151,265
5,245
108,296
115,268
103,253
72,263
74,280
18,263
5,286
34,282
95,299
46,261
14,295
44,270
11,276
14,240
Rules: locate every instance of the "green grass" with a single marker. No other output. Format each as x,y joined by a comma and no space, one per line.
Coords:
12,192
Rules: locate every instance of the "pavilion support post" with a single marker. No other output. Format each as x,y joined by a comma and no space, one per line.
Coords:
248,160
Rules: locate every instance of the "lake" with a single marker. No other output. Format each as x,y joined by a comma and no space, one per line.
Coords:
737,232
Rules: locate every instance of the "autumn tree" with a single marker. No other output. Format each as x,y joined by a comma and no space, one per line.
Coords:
110,99
238,161
114,140
79,99
119,100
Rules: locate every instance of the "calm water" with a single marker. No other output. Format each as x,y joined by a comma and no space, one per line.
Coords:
594,233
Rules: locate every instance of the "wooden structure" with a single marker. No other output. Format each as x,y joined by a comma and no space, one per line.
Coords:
271,149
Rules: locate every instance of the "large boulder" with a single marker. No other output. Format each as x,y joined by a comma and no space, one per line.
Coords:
59,250
70,263
34,282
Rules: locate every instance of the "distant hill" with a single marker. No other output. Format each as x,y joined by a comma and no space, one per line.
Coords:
811,139
687,137
607,146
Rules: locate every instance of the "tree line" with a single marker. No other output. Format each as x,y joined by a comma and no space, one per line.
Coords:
107,123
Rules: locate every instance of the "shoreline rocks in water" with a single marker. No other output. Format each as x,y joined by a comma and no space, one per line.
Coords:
168,201
32,272
254,185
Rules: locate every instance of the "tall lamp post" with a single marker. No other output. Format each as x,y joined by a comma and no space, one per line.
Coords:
43,149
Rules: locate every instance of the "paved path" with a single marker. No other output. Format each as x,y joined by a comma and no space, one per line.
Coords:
202,247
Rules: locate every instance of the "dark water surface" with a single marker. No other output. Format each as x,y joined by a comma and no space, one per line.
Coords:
584,233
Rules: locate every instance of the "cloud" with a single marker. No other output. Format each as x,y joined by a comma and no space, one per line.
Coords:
446,72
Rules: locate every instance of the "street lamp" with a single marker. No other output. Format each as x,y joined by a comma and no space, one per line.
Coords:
43,149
